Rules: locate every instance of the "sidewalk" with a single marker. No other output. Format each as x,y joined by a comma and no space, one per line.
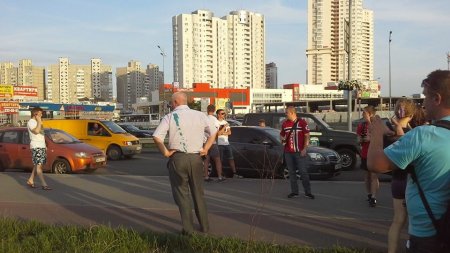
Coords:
250,209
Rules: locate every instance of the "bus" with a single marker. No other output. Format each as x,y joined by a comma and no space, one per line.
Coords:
142,121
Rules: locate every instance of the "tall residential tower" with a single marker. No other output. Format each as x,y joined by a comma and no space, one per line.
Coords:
67,83
225,52
327,57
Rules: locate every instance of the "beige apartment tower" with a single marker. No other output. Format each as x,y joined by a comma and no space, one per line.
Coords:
227,52
130,82
67,83
326,54
24,75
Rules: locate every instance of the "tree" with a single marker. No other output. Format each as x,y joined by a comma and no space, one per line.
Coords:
349,85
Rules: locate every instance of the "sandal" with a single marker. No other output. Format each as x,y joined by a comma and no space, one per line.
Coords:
46,188
31,185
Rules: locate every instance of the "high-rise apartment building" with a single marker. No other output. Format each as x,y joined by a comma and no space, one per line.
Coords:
154,79
326,53
67,83
271,76
130,84
24,75
225,52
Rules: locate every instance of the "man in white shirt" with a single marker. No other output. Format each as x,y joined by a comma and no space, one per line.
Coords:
214,150
226,153
186,129
38,147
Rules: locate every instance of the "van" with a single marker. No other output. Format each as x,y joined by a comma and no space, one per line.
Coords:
321,134
103,134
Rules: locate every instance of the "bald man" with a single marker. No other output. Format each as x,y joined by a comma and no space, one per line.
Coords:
186,130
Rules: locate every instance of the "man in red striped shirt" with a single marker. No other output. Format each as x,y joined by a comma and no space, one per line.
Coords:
295,136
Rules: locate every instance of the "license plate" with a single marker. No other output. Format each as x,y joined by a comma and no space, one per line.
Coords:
100,159
337,166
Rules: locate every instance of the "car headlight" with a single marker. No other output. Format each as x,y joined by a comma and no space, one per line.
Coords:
81,155
127,143
317,157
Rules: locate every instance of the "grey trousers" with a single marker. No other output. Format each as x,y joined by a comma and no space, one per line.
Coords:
186,175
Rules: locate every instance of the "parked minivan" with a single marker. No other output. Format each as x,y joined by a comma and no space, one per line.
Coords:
321,134
103,134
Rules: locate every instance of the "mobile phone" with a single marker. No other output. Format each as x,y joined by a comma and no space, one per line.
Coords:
389,125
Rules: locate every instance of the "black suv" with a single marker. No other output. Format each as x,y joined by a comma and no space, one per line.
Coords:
343,142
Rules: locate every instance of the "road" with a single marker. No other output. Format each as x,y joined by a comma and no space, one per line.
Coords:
136,194
151,163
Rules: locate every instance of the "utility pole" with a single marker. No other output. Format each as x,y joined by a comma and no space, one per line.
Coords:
349,99
390,96
448,61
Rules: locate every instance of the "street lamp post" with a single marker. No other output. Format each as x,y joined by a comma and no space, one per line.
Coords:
349,99
448,61
390,96
163,54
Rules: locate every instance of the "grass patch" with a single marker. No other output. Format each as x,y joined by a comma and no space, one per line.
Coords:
32,236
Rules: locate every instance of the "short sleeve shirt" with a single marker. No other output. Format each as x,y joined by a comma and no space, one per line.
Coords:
186,128
295,141
213,126
427,148
223,139
36,140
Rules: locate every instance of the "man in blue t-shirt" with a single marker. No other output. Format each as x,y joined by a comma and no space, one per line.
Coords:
427,148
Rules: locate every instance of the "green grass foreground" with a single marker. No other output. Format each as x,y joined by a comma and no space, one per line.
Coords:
24,236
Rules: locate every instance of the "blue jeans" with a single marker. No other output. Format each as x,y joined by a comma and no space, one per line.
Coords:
296,162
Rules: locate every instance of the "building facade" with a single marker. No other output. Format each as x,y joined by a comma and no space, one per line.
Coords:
225,52
68,83
26,74
153,80
271,76
130,81
327,44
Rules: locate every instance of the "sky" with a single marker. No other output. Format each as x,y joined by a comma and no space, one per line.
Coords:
118,31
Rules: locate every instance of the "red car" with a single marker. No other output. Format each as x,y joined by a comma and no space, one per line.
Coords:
65,153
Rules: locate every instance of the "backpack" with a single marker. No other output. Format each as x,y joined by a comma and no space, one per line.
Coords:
442,225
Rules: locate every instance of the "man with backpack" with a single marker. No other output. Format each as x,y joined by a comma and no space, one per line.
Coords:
427,148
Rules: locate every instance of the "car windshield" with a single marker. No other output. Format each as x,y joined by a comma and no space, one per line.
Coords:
113,127
325,124
275,133
131,128
60,137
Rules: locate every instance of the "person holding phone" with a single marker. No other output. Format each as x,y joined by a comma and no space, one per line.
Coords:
38,147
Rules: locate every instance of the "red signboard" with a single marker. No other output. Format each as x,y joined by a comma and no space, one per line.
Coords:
9,107
21,92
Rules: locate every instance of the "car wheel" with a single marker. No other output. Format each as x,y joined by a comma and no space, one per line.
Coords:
348,157
114,152
61,166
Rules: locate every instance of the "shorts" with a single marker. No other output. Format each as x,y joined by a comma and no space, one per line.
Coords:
226,153
214,151
398,188
39,156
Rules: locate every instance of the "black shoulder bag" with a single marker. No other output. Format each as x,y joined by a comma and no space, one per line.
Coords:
289,136
290,132
442,225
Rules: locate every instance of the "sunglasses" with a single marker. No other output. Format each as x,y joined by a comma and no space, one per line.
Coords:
222,113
